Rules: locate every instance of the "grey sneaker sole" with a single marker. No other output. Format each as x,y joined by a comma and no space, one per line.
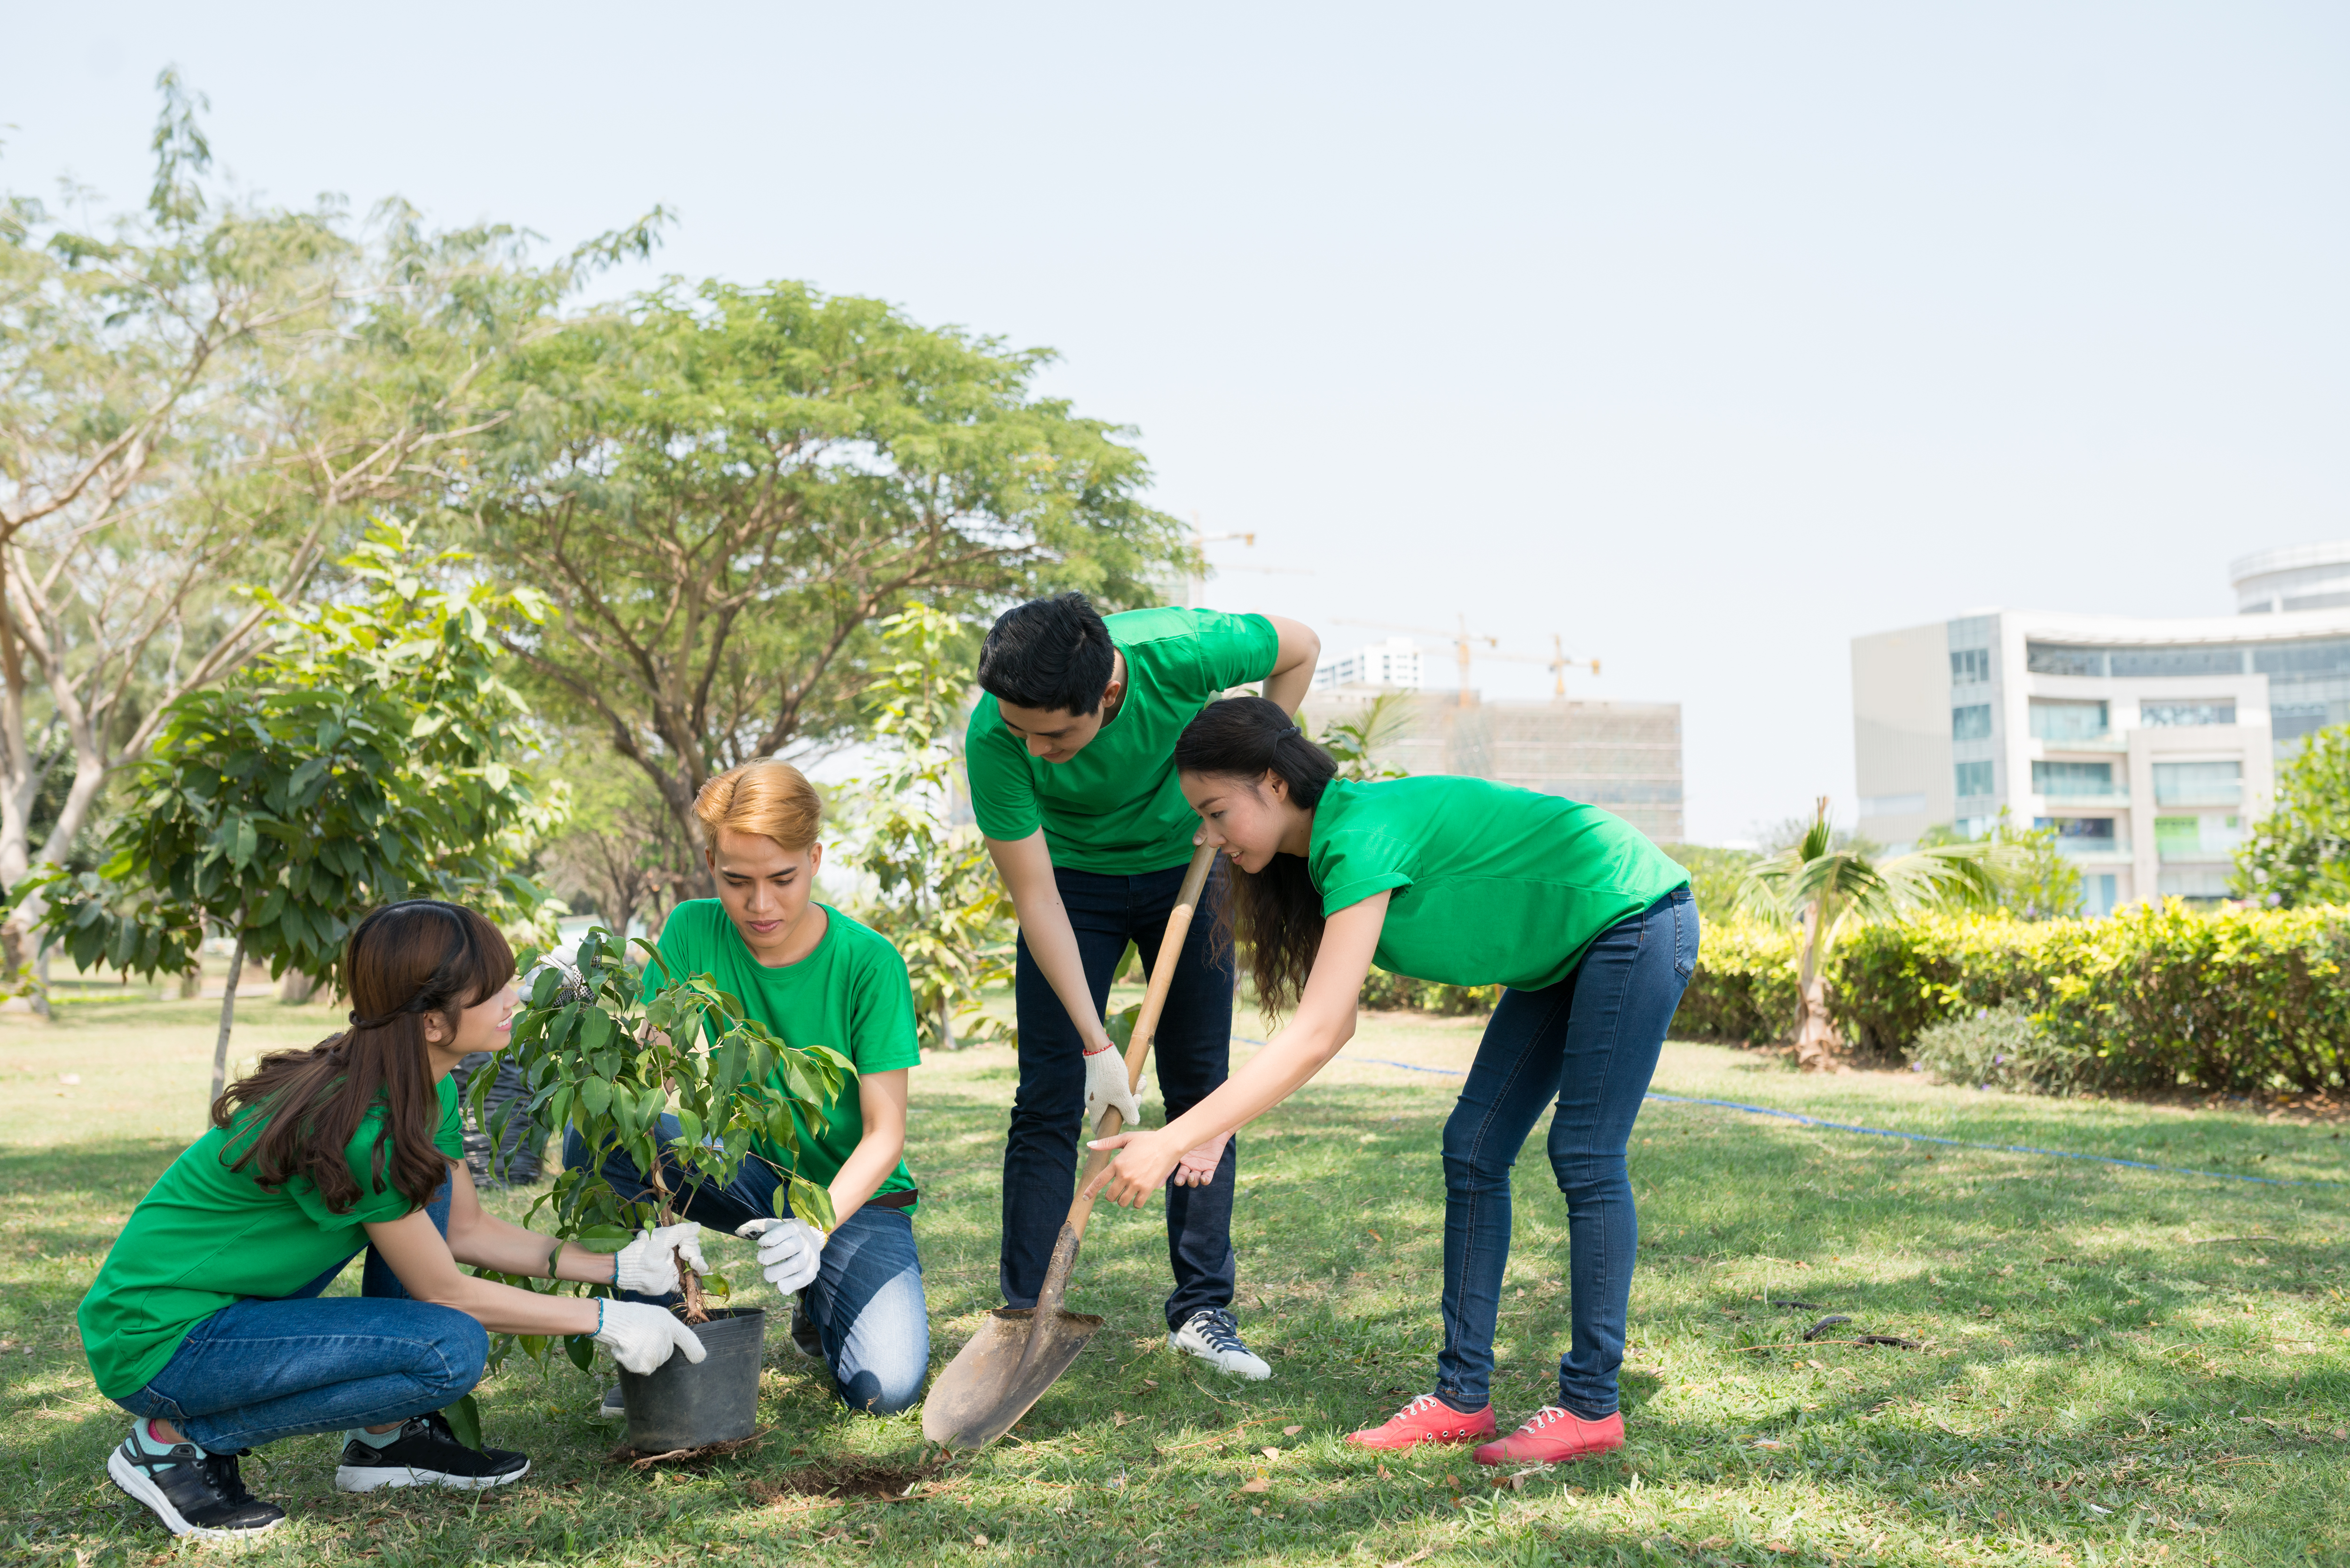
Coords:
373,1478
135,1484
613,1407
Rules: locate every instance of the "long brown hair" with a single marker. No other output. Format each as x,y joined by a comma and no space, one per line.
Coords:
1276,913
300,1110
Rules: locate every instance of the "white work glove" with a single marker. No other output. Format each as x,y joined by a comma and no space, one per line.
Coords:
647,1267
641,1336
1106,1085
789,1250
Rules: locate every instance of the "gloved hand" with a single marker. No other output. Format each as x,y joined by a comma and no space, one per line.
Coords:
645,1266
1197,1166
1106,1085
789,1250
641,1336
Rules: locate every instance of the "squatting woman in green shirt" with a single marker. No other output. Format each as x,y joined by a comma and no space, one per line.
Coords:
1468,883
206,1321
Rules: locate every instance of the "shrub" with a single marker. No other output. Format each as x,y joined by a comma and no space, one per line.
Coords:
1998,1048
2152,998
1400,993
1743,988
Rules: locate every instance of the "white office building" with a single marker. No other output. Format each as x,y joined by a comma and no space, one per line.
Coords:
2149,745
1392,664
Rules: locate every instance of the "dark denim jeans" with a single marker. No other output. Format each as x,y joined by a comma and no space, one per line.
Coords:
1590,1042
260,1370
1193,1053
867,1300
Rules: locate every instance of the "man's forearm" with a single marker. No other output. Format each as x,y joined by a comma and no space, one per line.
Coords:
1027,873
861,1176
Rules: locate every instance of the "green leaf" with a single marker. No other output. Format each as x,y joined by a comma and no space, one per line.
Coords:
465,1420
810,1202
581,1350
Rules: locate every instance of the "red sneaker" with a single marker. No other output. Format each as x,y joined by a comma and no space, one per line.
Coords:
1426,1419
1553,1434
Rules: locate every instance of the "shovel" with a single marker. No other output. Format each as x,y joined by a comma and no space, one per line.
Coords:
1018,1353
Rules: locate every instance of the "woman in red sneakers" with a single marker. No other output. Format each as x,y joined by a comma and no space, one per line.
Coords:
1470,883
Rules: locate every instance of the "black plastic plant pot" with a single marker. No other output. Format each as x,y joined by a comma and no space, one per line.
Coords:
684,1405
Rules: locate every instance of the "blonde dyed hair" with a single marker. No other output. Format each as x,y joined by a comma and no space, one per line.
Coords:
771,799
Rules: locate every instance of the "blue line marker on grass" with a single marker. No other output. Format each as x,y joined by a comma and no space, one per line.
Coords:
1911,1137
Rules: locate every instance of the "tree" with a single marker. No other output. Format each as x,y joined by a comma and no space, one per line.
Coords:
722,490
364,759
2040,883
2299,854
929,887
1824,890
213,392
602,1059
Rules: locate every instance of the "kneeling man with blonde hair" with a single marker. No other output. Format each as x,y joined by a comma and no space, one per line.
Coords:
816,977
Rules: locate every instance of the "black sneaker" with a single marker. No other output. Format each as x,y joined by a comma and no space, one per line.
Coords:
804,1337
192,1492
426,1453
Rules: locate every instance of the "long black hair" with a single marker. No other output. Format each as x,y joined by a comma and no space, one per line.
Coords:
1276,914
402,962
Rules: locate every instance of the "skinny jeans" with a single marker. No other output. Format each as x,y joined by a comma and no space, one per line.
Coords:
1589,1043
1192,1054
866,1299
259,1369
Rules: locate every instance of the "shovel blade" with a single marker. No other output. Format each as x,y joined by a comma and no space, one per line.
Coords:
1004,1368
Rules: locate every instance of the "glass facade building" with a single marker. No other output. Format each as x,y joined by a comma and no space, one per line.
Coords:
2149,745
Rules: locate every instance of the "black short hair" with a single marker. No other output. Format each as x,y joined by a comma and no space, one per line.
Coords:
1053,653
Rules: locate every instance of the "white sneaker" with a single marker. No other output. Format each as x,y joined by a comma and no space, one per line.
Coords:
1210,1335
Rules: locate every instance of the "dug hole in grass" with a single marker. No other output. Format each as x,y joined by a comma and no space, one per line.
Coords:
2118,1366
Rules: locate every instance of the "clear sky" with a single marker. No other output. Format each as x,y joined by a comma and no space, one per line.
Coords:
1707,335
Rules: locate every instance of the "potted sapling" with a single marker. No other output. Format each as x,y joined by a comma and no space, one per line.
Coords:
601,1056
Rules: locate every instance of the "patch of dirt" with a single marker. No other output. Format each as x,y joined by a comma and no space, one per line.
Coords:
638,1459
847,1480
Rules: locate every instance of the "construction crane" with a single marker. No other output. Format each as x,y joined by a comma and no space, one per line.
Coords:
1558,664
1462,640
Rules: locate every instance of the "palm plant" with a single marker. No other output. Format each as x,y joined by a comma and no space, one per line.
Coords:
1825,891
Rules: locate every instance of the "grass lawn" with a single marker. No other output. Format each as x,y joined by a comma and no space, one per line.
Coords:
2117,1365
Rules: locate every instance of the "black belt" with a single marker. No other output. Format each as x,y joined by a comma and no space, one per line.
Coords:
906,1200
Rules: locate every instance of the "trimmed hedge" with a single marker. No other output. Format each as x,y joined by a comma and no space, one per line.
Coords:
1743,988
2155,997
1399,993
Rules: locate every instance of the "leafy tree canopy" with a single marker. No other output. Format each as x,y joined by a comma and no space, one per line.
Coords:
2299,853
722,488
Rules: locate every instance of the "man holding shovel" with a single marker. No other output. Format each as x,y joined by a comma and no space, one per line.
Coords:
1071,756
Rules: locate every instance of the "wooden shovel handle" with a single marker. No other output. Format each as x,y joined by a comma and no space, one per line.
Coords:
1146,1025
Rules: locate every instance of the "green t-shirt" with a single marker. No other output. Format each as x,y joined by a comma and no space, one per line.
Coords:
850,993
206,1237
1492,884
1114,807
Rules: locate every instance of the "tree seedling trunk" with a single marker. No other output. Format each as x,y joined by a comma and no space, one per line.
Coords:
228,1019
688,1282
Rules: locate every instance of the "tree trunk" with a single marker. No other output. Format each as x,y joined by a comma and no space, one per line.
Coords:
228,1012
297,987
946,1023
1817,1044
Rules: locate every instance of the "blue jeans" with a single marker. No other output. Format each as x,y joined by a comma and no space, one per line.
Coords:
259,1370
1193,1053
866,1299
1591,1043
